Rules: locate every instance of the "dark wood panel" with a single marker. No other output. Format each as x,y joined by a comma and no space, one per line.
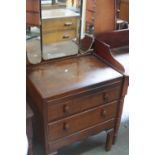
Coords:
114,48
74,106
80,135
33,13
115,39
84,120
33,19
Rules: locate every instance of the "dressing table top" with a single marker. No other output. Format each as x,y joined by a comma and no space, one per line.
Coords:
63,76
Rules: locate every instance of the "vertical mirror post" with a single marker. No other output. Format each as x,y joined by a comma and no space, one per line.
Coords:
33,31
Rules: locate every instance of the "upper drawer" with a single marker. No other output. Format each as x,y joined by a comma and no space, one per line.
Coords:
81,121
80,104
49,25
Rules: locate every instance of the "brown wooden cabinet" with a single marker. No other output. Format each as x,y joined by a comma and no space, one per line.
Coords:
75,98
79,96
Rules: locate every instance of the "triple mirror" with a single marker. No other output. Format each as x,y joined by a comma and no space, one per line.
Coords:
54,28
61,28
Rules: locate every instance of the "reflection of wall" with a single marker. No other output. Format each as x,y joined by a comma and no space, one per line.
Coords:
124,10
105,16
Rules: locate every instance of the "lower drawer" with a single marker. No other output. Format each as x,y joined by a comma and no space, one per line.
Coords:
54,145
59,24
81,121
57,36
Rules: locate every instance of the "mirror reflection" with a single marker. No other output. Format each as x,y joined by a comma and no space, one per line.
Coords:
33,45
33,24
87,25
60,28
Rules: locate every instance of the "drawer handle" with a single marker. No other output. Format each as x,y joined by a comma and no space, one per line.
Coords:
106,97
66,109
65,36
66,127
68,24
104,113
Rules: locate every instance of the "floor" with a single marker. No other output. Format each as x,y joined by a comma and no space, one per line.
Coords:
95,145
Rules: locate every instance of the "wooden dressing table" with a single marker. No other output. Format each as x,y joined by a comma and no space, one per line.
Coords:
77,96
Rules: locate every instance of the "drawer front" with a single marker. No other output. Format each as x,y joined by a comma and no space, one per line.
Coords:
81,121
74,106
59,24
57,36
55,145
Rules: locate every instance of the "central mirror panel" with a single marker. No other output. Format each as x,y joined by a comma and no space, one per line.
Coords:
60,28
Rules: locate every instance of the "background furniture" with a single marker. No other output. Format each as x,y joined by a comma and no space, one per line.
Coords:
59,25
122,14
100,14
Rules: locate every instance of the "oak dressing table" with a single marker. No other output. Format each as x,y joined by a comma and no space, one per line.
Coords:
76,97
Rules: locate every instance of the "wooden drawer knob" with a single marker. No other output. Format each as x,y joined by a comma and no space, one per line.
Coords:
104,113
65,36
106,97
68,24
66,109
66,127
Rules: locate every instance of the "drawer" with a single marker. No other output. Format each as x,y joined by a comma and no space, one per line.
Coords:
33,19
33,6
59,24
57,36
83,134
80,104
81,121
